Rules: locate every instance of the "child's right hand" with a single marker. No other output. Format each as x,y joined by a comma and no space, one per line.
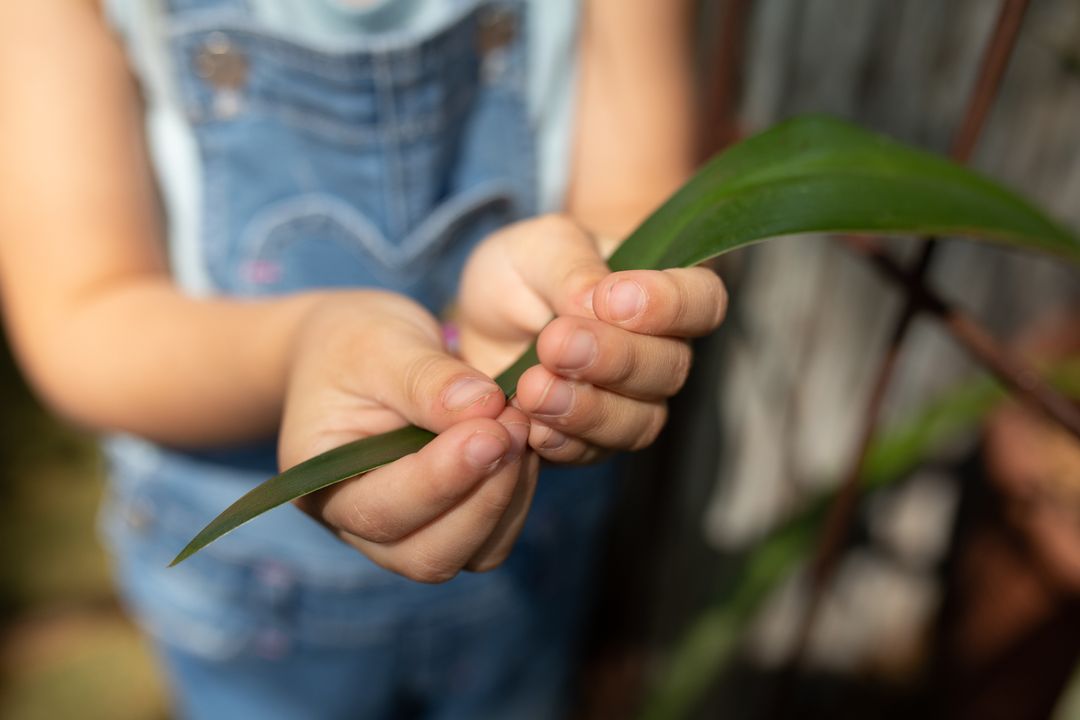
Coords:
369,362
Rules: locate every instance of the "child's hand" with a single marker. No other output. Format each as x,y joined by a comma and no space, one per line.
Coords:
368,362
616,350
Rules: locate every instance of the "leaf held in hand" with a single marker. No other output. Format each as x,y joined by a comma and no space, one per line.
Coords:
810,174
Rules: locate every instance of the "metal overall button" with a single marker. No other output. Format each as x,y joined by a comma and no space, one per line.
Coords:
225,68
496,31
498,26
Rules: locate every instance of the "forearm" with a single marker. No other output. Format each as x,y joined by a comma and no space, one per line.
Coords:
139,356
100,329
635,134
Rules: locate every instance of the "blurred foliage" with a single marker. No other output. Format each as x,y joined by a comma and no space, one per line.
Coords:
66,650
712,640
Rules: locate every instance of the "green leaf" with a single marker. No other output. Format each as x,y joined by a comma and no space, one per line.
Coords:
817,174
712,639
810,174
331,467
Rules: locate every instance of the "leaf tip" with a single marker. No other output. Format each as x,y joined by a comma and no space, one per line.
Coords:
184,554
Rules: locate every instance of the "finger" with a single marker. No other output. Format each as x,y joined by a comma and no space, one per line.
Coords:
564,268
557,447
501,541
441,549
589,413
645,367
389,503
682,302
427,386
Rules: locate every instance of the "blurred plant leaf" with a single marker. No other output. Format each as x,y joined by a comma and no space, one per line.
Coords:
712,639
810,174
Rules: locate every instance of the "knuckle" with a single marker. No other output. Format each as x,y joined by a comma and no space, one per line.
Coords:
489,562
683,304
555,334
578,453
431,569
668,302
624,367
418,376
443,489
556,224
372,526
680,371
589,454
580,276
720,304
405,315
594,413
652,428
566,452
490,507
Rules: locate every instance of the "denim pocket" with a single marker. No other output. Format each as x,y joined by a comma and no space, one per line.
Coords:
242,595
322,238
200,605
380,165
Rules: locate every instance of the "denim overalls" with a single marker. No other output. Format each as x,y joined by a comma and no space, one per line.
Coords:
379,164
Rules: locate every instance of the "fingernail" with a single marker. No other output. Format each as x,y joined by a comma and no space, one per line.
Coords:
466,392
579,352
626,299
558,399
484,449
554,440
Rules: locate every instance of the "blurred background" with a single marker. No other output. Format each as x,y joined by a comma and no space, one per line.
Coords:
66,649
950,589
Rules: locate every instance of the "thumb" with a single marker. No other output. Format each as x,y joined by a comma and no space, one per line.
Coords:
562,265
432,389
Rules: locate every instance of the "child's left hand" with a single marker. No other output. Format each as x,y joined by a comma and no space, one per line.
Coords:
613,355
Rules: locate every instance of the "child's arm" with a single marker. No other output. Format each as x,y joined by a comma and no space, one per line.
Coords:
636,130
109,340
98,325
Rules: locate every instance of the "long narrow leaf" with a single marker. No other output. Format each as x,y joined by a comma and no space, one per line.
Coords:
811,174
321,471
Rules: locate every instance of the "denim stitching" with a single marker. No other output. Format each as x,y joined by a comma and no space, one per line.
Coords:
456,28
256,241
216,215
393,189
430,235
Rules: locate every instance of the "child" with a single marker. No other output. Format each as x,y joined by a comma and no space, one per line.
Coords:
325,168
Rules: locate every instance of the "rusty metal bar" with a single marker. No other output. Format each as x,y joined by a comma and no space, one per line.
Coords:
842,513
1013,372
726,82
992,70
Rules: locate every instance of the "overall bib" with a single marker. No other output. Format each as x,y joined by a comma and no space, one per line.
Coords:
377,162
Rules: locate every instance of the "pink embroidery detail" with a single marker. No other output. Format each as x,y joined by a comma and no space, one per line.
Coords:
262,272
